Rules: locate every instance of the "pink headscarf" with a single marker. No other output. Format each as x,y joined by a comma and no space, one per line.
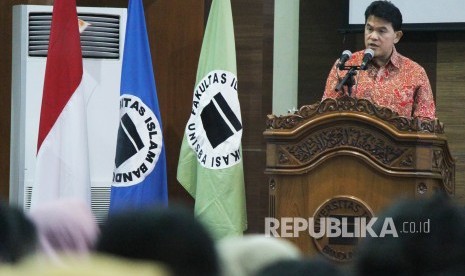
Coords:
65,227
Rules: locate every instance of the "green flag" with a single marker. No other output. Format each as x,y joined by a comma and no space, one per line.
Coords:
210,163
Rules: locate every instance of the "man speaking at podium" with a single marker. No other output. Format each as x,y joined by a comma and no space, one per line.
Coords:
384,77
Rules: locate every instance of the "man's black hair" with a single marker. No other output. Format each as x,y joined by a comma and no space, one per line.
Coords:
387,11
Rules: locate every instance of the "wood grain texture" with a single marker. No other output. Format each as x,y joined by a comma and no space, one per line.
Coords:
450,99
320,44
175,30
252,27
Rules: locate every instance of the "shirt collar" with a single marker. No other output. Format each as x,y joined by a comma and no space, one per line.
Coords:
395,58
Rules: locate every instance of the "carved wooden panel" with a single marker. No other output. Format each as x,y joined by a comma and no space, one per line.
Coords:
347,103
374,145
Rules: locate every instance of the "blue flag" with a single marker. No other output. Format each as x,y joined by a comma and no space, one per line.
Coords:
139,178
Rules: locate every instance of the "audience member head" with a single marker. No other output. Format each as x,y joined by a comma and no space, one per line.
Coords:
301,267
65,227
244,256
431,240
171,236
387,11
17,235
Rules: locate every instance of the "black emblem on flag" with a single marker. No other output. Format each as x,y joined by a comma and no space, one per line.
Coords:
129,141
215,125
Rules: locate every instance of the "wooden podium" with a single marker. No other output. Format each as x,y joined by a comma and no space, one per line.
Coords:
350,158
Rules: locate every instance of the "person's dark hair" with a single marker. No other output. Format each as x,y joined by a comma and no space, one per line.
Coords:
438,249
18,237
171,236
387,11
315,266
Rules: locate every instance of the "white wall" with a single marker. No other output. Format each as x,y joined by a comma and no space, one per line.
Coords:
285,56
415,11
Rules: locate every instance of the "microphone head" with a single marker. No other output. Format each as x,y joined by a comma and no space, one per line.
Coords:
345,56
367,56
347,53
369,52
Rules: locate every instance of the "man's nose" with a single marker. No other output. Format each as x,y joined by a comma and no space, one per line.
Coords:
373,36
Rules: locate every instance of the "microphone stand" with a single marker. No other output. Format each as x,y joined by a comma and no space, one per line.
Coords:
348,79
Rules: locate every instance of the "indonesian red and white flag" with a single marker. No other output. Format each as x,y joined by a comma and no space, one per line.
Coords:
62,166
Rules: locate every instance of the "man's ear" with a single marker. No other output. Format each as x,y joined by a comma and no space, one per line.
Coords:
399,34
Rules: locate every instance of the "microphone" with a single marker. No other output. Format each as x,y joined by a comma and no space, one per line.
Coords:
369,54
344,57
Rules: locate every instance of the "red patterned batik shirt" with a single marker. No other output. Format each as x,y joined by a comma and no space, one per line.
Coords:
401,85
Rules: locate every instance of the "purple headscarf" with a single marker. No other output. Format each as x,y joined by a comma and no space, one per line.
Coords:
65,227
